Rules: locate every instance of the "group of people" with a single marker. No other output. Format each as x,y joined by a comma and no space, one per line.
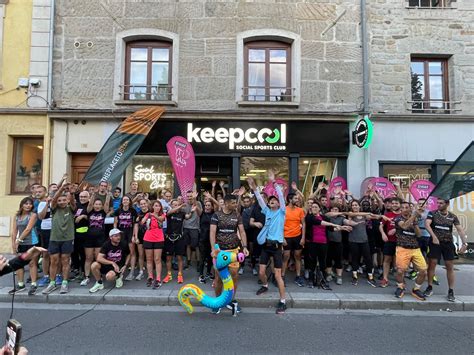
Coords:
96,234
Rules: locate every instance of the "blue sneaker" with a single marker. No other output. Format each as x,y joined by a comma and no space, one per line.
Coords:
58,280
44,281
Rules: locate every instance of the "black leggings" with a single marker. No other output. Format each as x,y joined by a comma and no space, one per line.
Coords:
335,255
317,253
205,251
78,256
358,250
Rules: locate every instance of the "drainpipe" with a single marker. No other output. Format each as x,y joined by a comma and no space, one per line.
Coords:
365,73
50,59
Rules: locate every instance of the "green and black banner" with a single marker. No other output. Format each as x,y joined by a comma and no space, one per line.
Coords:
118,151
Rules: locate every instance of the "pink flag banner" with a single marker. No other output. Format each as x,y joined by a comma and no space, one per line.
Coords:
384,187
269,189
182,158
364,186
422,189
337,186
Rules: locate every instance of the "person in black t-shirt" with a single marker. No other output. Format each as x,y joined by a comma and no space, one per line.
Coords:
175,244
256,223
210,206
112,261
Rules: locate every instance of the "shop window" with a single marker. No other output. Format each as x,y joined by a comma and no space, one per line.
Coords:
430,3
258,168
405,174
153,173
429,85
148,71
27,164
267,71
312,171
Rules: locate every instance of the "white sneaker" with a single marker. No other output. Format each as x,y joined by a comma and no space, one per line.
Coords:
130,276
85,282
254,271
97,286
139,276
241,271
119,282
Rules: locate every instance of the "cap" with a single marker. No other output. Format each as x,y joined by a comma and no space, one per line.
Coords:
114,231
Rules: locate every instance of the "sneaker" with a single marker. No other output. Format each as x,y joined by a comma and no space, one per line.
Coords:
149,281
348,268
119,282
32,290
139,276
355,281
418,294
306,274
399,292
85,282
64,288
234,307
451,297
435,280
360,271
180,279
215,310
97,286
428,291
51,287
338,280
17,289
44,281
130,276
254,271
168,278
372,282
262,290
59,280
202,279
210,276
383,283
329,278
241,270
413,275
300,281
156,284
281,308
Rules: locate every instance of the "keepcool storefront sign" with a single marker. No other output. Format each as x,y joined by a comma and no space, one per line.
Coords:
254,137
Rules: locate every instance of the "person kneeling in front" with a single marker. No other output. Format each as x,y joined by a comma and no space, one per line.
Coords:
112,261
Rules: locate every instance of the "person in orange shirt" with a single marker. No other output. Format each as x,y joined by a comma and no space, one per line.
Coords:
294,236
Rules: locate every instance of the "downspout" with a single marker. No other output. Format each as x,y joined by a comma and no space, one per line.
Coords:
365,73
50,86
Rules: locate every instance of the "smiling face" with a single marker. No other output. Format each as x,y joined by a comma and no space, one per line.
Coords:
355,207
98,205
126,201
144,205
62,202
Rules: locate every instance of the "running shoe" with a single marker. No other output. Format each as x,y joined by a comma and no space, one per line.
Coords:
168,278
360,271
130,276
413,275
180,278
51,287
338,280
355,281
306,274
418,294
59,280
435,280
348,268
428,291
119,282
156,284
44,281
85,282
281,308
202,279
451,297
32,290
300,281
241,270
97,286
262,290
383,283
399,292
329,278
149,281
254,271
215,310
139,276
372,282
234,307
64,288
17,289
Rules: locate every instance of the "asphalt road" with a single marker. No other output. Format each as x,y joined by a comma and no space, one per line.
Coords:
151,330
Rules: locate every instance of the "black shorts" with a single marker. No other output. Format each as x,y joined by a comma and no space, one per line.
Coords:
272,250
389,248
153,245
445,249
191,237
178,247
45,234
424,242
127,235
93,242
66,247
105,269
23,248
293,243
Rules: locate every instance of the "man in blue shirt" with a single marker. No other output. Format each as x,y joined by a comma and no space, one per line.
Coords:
117,198
271,239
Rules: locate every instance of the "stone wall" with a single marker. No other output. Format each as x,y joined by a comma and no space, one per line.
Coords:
396,32
330,64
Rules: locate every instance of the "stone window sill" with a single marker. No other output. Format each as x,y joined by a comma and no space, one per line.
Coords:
268,104
144,103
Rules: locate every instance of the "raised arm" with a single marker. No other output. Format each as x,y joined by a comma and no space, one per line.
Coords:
259,197
281,198
212,199
54,201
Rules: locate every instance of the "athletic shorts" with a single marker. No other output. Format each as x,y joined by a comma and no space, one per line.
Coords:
423,242
272,250
153,245
389,248
445,249
293,243
23,248
405,256
191,237
66,247
104,269
177,247
93,242
45,234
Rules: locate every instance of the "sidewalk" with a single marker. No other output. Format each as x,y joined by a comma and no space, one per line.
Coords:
346,296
